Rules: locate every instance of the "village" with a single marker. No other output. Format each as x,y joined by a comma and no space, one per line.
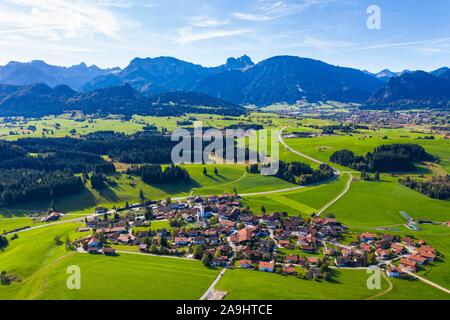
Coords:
221,232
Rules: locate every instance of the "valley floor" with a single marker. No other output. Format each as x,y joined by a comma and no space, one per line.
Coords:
40,265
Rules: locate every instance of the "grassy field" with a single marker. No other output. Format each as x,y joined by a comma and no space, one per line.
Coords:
346,284
324,146
302,201
40,266
132,277
376,204
31,253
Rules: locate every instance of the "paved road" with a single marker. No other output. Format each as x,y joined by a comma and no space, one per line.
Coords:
427,281
349,182
49,224
211,287
329,204
280,138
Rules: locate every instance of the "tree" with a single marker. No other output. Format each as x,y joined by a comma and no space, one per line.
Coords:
148,213
163,242
52,206
4,277
57,240
68,243
377,176
207,259
154,249
141,196
198,252
3,241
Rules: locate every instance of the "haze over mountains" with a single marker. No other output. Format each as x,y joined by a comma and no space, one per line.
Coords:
20,74
39,100
147,85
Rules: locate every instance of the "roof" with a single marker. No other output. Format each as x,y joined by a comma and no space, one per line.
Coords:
245,235
417,258
367,235
407,262
267,265
313,259
287,269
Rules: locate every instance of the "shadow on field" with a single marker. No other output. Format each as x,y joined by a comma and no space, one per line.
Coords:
176,188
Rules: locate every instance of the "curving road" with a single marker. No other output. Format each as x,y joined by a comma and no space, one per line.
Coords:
261,193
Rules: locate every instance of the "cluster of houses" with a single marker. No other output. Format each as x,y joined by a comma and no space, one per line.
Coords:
220,232
400,255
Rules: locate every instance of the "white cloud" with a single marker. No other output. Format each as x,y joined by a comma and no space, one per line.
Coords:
187,35
207,22
269,10
321,44
432,43
115,3
58,19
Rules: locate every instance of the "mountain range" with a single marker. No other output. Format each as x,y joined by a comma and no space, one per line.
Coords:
417,89
21,74
39,100
278,79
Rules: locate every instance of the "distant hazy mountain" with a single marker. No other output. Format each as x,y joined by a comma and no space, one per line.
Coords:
289,79
33,100
20,74
386,74
412,90
443,73
163,74
40,99
278,79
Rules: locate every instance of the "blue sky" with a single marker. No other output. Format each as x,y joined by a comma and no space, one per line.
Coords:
414,34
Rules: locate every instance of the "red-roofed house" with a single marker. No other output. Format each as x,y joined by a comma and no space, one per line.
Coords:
408,264
245,235
267,266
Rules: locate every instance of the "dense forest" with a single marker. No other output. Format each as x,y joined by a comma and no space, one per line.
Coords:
300,173
154,174
385,158
26,185
436,187
44,168
141,147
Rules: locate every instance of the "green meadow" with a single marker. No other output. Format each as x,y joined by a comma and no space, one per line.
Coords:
323,147
377,204
127,277
346,284
40,266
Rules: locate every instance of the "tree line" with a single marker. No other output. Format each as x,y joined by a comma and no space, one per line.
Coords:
385,158
299,173
155,174
436,187
26,185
